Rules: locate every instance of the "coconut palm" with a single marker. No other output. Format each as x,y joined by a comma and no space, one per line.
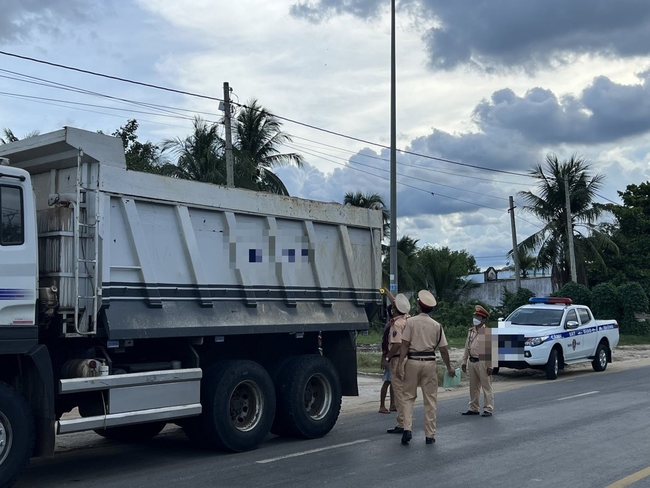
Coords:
369,200
200,156
9,136
257,140
549,205
409,271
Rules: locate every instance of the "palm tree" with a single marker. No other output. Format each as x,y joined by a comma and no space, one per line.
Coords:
200,155
409,270
369,200
551,242
444,271
257,138
527,261
9,136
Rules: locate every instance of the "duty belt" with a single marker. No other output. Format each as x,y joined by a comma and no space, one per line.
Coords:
473,360
423,356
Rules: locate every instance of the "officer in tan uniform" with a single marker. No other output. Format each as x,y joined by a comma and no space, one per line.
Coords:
418,367
402,306
478,350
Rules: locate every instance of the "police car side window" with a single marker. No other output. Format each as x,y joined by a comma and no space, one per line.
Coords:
585,316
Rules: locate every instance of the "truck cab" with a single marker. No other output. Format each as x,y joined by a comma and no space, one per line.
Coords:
18,261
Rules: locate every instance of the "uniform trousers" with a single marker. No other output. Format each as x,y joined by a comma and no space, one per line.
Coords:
425,375
398,387
480,380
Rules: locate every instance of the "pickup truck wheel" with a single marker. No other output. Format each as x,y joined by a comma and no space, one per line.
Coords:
553,365
599,362
238,402
16,434
132,433
308,390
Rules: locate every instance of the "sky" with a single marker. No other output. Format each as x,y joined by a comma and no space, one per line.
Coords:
493,84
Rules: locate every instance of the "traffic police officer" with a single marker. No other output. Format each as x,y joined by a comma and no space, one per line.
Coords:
478,349
402,306
418,367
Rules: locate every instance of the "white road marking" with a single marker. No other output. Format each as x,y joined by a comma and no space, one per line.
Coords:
578,396
312,451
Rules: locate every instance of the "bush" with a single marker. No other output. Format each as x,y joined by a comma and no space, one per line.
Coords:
512,301
579,294
604,302
633,299
455,319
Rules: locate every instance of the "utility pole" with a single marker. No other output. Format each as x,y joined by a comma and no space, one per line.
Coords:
569,229
230,165
393,157
515,251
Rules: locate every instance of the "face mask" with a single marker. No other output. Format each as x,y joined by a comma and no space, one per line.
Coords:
476,321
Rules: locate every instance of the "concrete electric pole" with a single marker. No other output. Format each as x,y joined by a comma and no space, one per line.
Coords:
393,157
515,251
230,165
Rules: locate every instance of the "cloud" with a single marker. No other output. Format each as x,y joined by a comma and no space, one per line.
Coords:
22,19
321,10
501,34
604,112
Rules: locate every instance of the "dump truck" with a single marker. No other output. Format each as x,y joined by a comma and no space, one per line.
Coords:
134,300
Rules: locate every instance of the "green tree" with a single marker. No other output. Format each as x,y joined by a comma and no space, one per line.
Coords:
631,232
200,156
633,300
139,156
409,270
257,139
512,301
549,205
604,302
369,200
9,136
579,294
443,271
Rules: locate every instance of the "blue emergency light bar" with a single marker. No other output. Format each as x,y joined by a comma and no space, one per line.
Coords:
551,300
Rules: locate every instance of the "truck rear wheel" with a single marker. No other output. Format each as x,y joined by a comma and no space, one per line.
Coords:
553,365
16,434
132,433
238,402
599,362
308,392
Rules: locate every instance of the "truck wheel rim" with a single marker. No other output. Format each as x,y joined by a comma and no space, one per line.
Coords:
5,437
318,397
602,358
246,406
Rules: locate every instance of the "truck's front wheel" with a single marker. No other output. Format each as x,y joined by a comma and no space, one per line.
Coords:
16,434
238,401
308,390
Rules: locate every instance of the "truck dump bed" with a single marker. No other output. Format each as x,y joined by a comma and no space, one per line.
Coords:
155,257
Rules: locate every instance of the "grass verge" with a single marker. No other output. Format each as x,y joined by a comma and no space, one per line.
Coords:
633,340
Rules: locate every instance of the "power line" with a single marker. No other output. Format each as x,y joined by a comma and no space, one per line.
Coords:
287,119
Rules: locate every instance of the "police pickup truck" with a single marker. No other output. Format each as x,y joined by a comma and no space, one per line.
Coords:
550,333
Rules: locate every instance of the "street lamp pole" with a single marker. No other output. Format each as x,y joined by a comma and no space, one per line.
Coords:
393,157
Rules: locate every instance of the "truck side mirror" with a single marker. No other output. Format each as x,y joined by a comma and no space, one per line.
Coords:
571,324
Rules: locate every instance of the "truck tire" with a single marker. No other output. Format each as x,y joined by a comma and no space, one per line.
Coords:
132,433
308,391
238,402
16,435
553,365
599,362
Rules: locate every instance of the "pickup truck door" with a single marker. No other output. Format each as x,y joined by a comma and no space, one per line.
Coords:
573,338
589,332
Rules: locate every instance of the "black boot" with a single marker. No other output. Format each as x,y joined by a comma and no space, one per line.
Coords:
406,437
395,430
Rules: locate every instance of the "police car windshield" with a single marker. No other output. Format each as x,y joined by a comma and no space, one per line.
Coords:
536,316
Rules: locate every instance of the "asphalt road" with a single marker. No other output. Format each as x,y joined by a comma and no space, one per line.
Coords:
584,430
